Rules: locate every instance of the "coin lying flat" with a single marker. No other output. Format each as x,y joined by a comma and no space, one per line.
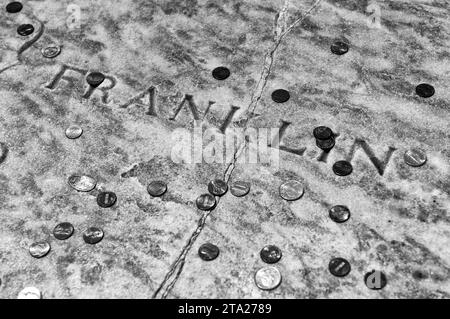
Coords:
218,187
339,213
82,183
268,278
106,199
157,188
375,280
221,73
51,51
208,252
291,190
14,7
29,293
74,131
415,157
342,168
25,29
95,78
270,254
206,202
280,96
322,133
63,231
339,267
39,249
425,90
339,48
240,188
93,235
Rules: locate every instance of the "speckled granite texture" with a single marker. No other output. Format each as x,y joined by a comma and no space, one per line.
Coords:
400,221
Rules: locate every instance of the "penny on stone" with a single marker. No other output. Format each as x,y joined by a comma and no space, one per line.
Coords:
280,96
106,199
270,254
63,231
218,187
342,168
240,188
322,133
268,278
206,202
425,90
25,29
93,235
14,7
74,132
221,73
208,252
415,157
291,190
339,48
51,51
325,144
339,213
29,293
95,78
339,267
157,188
82,183
375,280
39,249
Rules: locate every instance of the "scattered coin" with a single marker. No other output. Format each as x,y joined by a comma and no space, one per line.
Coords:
93,235
339,267
74,131
221,73
270,254
322,133
339,213
206,202
415,157
342,168
268,278
51,51
157,188
95,78
291,190
240,188
29,293
208,252
82,183
25,29
39,249
63,231
375,280
425,90
280,96
339,48
326,144
218,187
14,7
106,199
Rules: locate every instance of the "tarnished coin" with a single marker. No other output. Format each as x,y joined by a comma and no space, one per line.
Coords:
240,188
208,252
270,254
221,73
425,90
157,188
339,213
63,231
281,96
82,183
29,293
375,280
339,48
206,202
95,78
339,267
322,133
291,190
39,249
74,131
93,235
326,144
14,7
268,278
106,199
415,157
218,187
25,29
342,168
51,51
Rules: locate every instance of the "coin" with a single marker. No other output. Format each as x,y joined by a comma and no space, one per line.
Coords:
106,199
51,51
29,293
63,231
325,144
221,73
268,278
280,96
39,249
339,267
208,252
240,188
74,131
339,213
270,254
322,133
157,188
375,280
218,187
425,90
339,48
291,190
14,7
415,157
25,29
206,202
342,168
93,235
95,78
82,183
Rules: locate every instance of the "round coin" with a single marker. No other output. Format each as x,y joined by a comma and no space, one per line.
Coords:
325,144
339,267
73,132
270,254
51,51
339,48
208,252
375,280
25,29
291,190
29,293
157,188
425,90
415,157
206,202
342,168
268,278
82,183
339,213
218,187
95,78
280,96
93,235
39,249
322,133
63,231
14,7
240,188
106,199
221,73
